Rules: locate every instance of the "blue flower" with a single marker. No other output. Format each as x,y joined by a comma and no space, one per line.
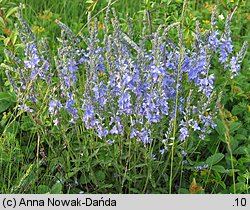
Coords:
213,40
183,153
133,133
196,126
184,133
110,141
32,63
201,167
54,106
114,130
235,66
162,151
88,113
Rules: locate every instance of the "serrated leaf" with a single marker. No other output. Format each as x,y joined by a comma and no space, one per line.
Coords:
220,128
212,160
244,160
6,100
237,110
4,105
241,150
218,168
240,137
234,126
240,187
4,96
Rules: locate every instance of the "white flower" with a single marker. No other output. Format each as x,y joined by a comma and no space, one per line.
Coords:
221,17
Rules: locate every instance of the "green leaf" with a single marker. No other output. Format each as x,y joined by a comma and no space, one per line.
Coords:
218,168
140,165
220,128
84,179
240,137
240,187
234,126
4,106
6,41
42,189
139,176
11,11
73,173
6,100
4,96
134,190
231,171
100,176
237,110
13,37
240,150
244,160
152,181
106,186
212,160
183,191
1,22
222,184
56,188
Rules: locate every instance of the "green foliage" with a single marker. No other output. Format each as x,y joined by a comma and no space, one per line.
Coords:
6,101
214,159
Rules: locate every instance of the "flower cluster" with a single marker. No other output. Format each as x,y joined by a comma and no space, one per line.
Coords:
137,87
130,89
198,168
35,65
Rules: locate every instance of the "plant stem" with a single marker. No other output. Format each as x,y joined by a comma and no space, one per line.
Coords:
180,60
227,138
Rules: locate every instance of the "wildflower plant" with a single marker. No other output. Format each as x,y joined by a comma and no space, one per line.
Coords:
160,97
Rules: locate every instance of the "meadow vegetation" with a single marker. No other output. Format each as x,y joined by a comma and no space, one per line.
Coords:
124,96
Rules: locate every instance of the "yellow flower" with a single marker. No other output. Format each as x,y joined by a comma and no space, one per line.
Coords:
188,40
206,21
210,7
41,29
38,29
233,118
